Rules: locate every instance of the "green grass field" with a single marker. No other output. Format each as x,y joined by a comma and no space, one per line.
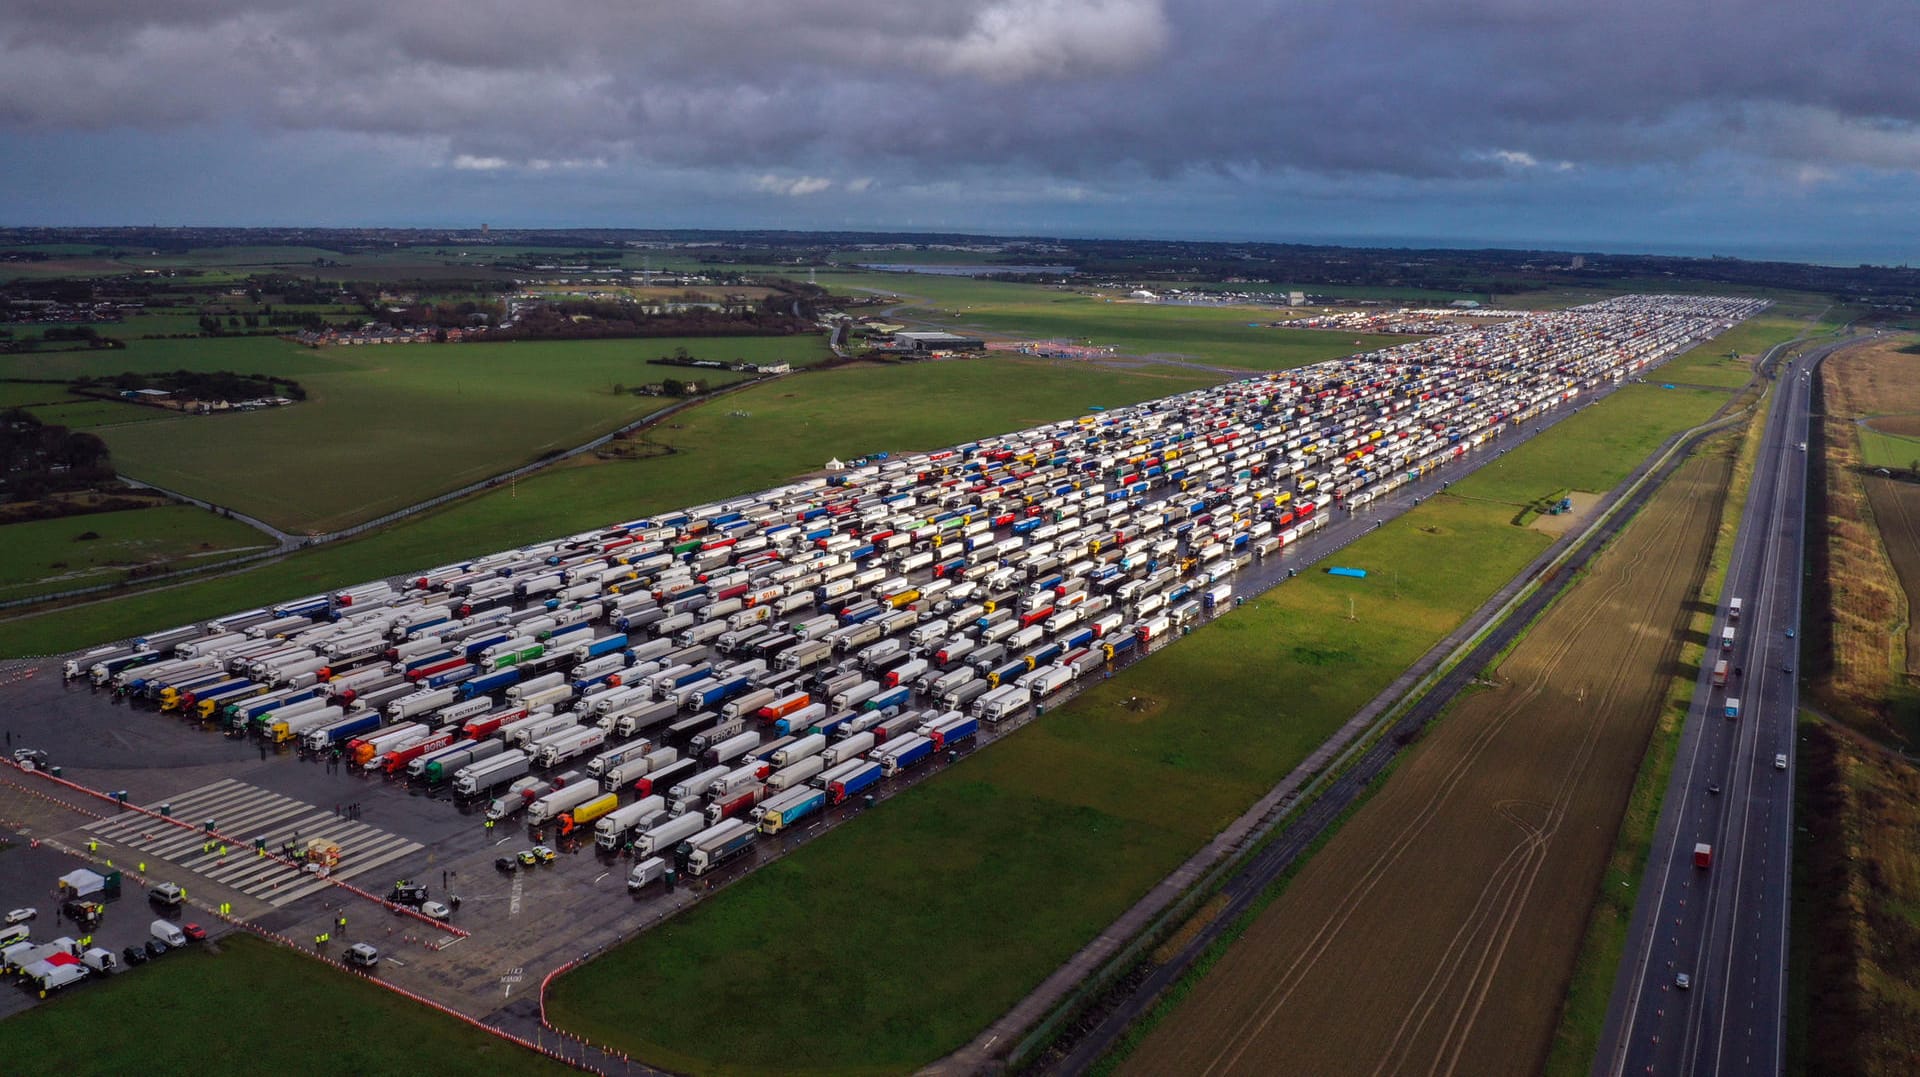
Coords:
1708,363
1071,819
251,1009
42,556
792,426
1066,822
1219,335
1890,451
1586,453
384,427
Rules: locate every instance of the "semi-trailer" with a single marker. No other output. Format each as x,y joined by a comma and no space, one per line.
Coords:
731,748
948,733
903,753
801,719
661,778
736,804
568,744
796,773
639,716
791,808
477,778
565,798
860,776
613,757
800,749
720,847
668,835
540,728
416,703
715,733
436,767
338,730
1720,673
286,729
612,829
397,760
587,812
366,751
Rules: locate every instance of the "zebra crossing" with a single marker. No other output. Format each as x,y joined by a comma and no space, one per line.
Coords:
242,809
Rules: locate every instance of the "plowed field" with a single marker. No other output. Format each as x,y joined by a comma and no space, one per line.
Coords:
1896,509
1437,932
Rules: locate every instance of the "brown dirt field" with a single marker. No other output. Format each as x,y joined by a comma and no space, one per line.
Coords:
1583,504
1437,932
1875,379
1896,509
1867,607
1906,426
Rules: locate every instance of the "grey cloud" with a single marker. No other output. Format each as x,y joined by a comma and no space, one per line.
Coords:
1080,90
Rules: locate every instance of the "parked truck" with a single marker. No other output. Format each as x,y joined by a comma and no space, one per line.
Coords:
791,808
450,761
563,799
612,829
569,744
666,836
477,778
589,811
721,847
854,782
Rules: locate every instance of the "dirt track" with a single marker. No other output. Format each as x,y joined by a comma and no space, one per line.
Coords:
1437,932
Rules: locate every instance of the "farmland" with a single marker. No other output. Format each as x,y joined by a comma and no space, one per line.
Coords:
53,555
791,426
385,427
1856,892
179,1015
1507,804
1867,574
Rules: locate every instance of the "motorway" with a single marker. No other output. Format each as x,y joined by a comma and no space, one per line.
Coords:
1724,927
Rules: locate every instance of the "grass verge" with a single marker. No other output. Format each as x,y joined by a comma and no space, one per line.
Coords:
185,1012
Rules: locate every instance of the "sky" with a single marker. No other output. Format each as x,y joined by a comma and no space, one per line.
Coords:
1760,128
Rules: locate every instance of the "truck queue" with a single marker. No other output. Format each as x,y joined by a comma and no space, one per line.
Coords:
678,686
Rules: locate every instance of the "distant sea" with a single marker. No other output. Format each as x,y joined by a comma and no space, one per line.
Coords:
1893,252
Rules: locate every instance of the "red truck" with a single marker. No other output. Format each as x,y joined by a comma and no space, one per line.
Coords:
1702,855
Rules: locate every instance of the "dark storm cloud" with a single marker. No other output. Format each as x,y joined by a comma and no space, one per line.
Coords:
796,91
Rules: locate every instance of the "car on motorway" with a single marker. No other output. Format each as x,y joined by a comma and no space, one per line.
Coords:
544,854
1789,633
1714,788
21,916
1682,980
506,864
526,857
1780,761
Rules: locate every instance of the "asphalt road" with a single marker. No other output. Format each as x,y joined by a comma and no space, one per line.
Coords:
1724,927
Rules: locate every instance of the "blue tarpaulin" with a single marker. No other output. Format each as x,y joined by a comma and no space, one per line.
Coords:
1356,573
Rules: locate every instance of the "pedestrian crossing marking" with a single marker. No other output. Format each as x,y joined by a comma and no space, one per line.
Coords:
246,812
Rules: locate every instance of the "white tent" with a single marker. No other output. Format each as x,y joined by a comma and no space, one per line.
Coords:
80,882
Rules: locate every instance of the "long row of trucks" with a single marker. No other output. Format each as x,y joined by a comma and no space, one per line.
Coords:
836,631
